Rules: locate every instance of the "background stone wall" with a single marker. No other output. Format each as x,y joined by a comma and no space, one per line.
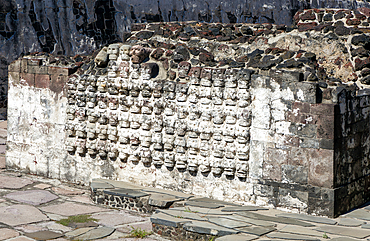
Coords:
73,27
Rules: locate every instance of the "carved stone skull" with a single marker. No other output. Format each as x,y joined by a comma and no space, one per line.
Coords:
124,52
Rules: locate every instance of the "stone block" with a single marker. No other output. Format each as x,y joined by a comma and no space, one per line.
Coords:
286,141
36,69
14,77
294,174
58,82
327,144
309,143
27,79
42,81
274,159
306,130
304,92
322,109
15,66
325,127
59,71
321,170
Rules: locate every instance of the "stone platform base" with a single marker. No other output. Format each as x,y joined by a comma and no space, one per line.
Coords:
179,216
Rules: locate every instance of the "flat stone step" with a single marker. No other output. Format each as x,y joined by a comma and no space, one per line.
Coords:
350,222
96,233
242,209
208,228
252,221
44,235
183,214
151,190
209,200
340,230
360,214
203,204
228,223
167,220
237,237
300,230
162,200
124,192
307,218
275,219
119,184
199,210
259,231
289,236
343,239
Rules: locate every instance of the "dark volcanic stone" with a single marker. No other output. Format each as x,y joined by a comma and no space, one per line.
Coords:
341,30
362,40
144,34
181,53
246,30
339,15
361,52
206,57
309,15
302,27
328,17
290,63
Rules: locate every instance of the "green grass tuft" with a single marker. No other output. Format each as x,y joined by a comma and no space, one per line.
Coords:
139,233
84,218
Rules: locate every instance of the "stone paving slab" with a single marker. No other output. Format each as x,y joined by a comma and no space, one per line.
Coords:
22,238
344,239
70,209
13,182
227,223
182,214
367,226
259,231
78,232
42,186
308,218
151,190
200,210
242,209
63,190
252,221
289,236
237,237
96,185
21,214
2,162
208,228
204,204
167,220
209,200
340,230
125,192
96,233
114,218
275,219
162,200
44,235
360,214
300,230
33,197
350,222
6,233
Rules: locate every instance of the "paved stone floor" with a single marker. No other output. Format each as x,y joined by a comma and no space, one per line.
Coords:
31,206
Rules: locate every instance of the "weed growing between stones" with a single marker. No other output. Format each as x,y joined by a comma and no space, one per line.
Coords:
76,219
139,233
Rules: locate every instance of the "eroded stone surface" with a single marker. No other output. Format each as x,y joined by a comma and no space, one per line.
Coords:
350,232
208,228
350,222
33,197
96,233
299,230
237,237
112,219
6,233
167,220
44,235
20,214
69,209
227,223
308,218
13,182
291,236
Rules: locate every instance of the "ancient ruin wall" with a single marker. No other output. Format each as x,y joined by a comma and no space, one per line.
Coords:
237,112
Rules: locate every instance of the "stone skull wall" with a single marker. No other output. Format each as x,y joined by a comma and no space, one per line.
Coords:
238,112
